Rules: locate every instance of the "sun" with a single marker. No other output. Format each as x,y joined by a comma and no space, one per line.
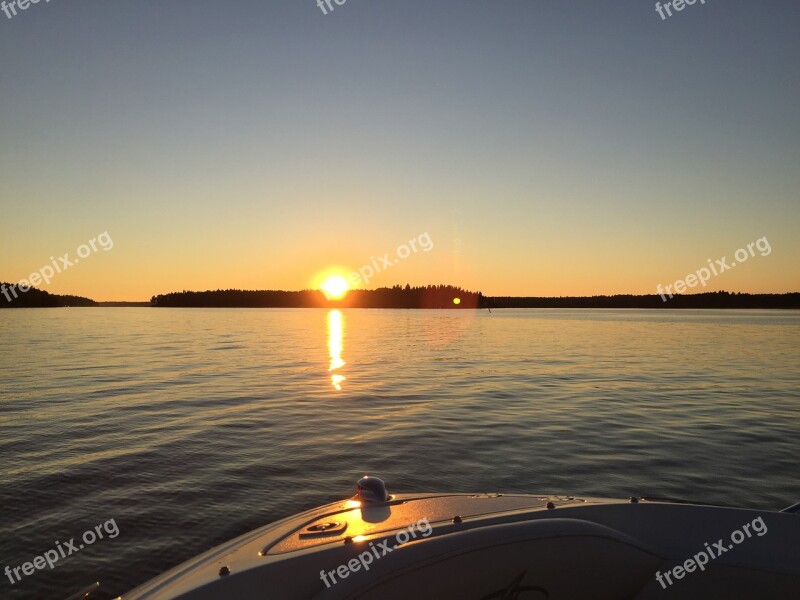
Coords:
335,287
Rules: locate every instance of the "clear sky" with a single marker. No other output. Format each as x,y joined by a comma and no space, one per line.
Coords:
547,147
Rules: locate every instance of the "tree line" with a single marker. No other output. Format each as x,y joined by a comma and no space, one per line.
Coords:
431,296
720,299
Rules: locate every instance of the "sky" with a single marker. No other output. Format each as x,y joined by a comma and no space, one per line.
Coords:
546,148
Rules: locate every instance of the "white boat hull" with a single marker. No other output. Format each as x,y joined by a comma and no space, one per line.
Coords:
484,547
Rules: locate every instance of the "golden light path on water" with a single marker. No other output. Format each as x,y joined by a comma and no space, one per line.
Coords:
335,345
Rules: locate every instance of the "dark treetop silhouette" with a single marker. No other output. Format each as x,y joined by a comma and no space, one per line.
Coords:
35,298
432,296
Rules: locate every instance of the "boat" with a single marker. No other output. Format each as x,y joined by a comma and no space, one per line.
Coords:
494,546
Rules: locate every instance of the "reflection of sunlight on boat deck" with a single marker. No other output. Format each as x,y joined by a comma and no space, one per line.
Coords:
335,345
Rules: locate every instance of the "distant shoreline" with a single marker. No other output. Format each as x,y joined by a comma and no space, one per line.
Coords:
443,297
123,305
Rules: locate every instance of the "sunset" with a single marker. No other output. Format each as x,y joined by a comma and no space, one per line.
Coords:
309,299
335,287
544,156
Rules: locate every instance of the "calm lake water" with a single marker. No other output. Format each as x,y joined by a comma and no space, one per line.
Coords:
191,426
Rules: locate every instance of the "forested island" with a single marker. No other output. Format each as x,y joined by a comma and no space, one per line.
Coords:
431,296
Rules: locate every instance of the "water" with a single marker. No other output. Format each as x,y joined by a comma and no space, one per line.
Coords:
189,426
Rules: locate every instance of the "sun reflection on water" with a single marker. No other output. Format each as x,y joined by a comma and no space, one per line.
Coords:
335,345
